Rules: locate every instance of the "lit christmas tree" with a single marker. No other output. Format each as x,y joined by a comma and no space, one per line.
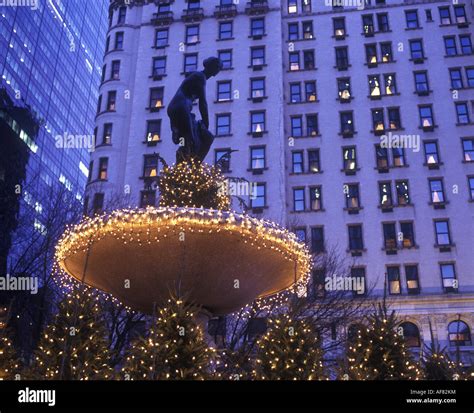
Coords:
9,365
290,350
193,185
379,352
173,349
75,345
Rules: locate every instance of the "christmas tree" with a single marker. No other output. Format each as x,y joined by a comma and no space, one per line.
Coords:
379,351
173,349
9,365
75,345
290,350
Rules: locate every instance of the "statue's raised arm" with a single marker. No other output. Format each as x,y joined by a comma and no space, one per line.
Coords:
193,137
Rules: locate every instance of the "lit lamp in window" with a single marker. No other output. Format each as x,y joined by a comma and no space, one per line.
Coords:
427,123
385,57
345,93
153,137
158,103
375,88
389,88
373,59
258,128
340,32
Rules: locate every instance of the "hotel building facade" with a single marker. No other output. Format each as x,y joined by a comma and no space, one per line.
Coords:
355,122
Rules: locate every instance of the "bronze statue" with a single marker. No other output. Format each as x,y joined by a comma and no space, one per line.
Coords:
192,136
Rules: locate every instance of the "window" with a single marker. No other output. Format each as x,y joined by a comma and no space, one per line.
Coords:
308,58
412,19
393,278
99,104
153,131
112,101
403,195
450,46
119,40
257,120
411,334
443,236
107,44
107,135
192,34
368,24
374,86
98,203
225,30
448,277
164,8
194,4
222,156
355,237
412,278
257,155
317,240
312,125
147,198
416,50
390,84
257,56
257,27
259,199
115,72
292,6
349,158
352,196
421,82
225,57
190,63
398,155
462,113
389,236
371,54
316,199
310,91
156,98
386,52
301,234
306,6
294,58
308,30
224,91
394,121
437,191
297,162
161,38
295,92
103,166
104,70
150,166
257,87
470,182
159,66
378,122
468,150
293,31
466,44
339,27
317,285
470,76
223,124
426,117
298,199
313,161
456,78
296,126
460,13
122,15
344,89
459,333
382,21
91,169
431,153
342,58
381,155
385,194
347,123
408,234
444,15
358,273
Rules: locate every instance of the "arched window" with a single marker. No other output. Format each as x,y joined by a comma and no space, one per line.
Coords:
459,334
411,334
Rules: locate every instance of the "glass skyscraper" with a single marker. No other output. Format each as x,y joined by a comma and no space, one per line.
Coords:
50,59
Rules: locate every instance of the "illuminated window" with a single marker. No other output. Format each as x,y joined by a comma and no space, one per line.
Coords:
393,278
459,333
153,131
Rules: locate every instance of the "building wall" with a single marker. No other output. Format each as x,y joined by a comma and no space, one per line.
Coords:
127,148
